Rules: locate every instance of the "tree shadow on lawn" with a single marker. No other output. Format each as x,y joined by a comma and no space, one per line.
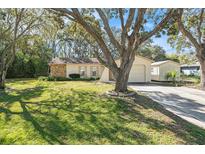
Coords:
83,117
7,100
51,118
87,119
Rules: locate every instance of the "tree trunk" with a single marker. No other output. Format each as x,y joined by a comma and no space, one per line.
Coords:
2,80
2,84
123,75
201,57
3,74
121,82
202,66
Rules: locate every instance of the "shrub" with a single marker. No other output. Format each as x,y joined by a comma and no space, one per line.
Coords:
43,78
171,76
50,78
69,79
61,79
92,78
74,75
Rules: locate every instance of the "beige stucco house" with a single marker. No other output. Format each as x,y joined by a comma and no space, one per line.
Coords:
62,67
161,68
140,71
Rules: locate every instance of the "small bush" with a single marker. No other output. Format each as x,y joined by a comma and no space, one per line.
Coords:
92,78
50,78
70,79
171,76
74,76
43,78
62,79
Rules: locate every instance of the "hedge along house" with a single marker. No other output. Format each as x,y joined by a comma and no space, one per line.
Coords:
87,68
140,71
161,68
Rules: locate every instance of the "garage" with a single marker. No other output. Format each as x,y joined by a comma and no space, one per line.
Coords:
140,71
137,74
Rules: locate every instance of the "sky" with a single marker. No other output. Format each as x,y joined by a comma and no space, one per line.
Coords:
162,41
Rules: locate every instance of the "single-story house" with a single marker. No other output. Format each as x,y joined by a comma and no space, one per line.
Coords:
192,69
140,71
161,68
63,67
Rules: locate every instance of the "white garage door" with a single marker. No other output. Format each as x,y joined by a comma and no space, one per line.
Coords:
137,73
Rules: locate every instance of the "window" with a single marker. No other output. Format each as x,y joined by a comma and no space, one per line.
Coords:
82,71
152,70
93,71
155,71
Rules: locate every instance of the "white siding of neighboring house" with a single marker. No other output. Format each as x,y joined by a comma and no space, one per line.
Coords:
191,71
168,67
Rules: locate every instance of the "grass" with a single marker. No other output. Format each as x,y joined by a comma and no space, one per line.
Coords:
78,112
191,79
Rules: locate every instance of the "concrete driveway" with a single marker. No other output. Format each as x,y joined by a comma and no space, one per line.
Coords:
185,102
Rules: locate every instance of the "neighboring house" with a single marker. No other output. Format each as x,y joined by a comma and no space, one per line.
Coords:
63,67
161,68
193,69
140,71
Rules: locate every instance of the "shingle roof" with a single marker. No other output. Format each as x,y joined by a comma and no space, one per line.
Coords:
74,61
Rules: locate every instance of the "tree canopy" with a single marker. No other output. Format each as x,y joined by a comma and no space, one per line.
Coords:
133,32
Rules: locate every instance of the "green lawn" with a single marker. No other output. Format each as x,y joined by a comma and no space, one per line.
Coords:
40,112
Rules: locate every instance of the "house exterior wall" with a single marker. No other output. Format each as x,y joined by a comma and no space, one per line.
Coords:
147,66
105,75
139,61
72,69
155,73
58,70
164,69
75,68
168,67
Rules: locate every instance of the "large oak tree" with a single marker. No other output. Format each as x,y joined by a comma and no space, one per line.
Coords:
189,32
136,27
14,25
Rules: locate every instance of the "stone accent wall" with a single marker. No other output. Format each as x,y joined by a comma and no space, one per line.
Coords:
58,70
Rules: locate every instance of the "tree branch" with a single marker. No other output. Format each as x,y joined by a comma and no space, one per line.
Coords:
91,30
64,12
127,27
186,32
121,18
129,19
139,20
157,27
108,30
199,25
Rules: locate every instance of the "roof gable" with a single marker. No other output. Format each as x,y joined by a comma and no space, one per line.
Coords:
74,61
163,62
145,58
138,56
